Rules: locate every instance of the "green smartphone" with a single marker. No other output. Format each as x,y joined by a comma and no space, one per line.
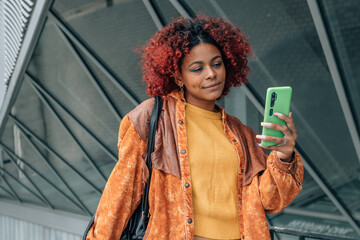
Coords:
277,100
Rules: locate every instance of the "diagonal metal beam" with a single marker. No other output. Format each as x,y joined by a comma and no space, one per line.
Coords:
7,191
93,58
159,23
11,153
54,171
180,8
89,74
322,32
57,155
48,95
44,199
34,28
11,189
61,121
23,185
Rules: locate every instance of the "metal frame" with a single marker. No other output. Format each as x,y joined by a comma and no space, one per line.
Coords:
89,74
64,125
7,191
322,32
72,116
180,8
12,154
57,155
149,5
54,219
316,214
23,185
302,235
1,160
47,162
72,36
31,37
11,189
44,199
17,149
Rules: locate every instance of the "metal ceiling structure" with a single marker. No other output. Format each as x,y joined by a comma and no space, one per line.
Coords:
66,122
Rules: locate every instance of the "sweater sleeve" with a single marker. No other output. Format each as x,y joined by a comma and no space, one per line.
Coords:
280,182
124,188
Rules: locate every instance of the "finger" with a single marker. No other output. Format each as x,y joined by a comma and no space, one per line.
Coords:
284,117
279,127
276,148
277,140
289,121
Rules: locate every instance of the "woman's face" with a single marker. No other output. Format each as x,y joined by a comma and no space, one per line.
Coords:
203,74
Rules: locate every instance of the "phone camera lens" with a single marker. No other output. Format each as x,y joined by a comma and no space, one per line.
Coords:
271,112
273,98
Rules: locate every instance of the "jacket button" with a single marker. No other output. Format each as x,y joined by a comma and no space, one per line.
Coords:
181,122
189,220
299,183
242,170
187,185
243,236
183,151
234,140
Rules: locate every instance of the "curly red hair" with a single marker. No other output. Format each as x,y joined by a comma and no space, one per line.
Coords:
162,55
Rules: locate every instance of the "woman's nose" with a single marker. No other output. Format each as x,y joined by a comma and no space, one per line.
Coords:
210,72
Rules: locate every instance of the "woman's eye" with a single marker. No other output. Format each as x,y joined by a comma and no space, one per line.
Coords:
217,64
196,69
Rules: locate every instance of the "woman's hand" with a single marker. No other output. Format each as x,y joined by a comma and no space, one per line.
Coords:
286,145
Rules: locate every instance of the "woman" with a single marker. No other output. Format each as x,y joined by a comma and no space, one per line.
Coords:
210,178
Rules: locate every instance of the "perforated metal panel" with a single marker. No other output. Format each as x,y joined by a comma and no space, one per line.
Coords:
15,229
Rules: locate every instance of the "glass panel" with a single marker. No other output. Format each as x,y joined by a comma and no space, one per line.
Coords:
66,81
166,10
121,102
114,33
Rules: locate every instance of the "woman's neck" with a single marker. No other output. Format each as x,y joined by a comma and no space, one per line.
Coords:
203,104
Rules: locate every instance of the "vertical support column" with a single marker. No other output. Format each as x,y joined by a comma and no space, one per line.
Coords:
18,150
1,162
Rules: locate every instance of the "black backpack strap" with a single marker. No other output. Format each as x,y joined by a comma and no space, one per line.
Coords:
158,102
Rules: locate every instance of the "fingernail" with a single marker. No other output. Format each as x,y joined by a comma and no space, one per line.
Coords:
259,144
265,124
278,114
260,137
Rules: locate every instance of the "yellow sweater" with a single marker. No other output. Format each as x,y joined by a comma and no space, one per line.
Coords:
213,168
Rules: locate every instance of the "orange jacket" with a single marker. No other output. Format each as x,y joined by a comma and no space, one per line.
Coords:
265,183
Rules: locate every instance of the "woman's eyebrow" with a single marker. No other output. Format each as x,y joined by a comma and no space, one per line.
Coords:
199,62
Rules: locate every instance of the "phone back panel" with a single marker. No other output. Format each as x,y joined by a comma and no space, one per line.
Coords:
278,99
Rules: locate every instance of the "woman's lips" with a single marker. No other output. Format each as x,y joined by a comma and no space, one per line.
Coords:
212,86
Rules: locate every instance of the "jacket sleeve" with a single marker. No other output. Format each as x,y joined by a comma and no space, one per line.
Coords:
124,188
280,182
